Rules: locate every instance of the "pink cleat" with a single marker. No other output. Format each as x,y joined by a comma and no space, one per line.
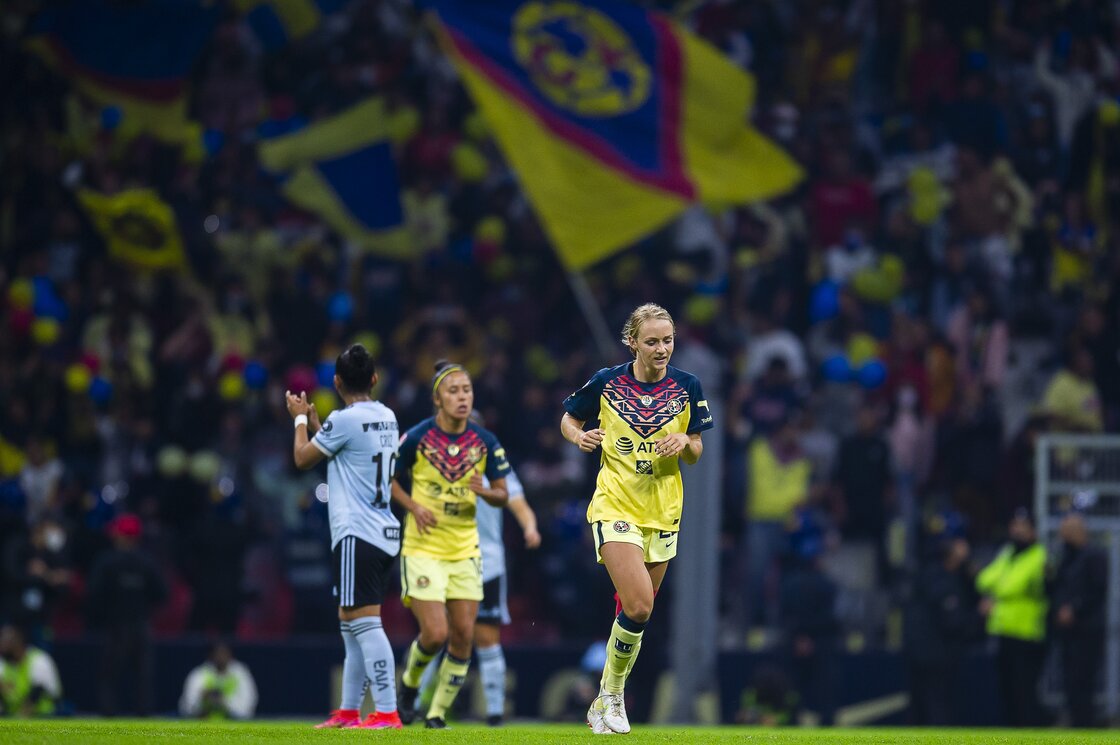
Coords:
341,719
382,720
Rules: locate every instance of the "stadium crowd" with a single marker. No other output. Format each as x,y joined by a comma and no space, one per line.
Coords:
888,340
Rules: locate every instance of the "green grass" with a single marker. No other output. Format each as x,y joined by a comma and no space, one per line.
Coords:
52,732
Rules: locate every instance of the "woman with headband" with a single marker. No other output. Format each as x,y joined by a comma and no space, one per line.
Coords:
443,460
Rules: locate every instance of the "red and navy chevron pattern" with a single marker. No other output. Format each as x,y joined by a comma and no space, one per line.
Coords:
453,457
646,411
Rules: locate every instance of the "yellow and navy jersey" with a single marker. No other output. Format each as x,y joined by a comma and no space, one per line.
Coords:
635,484
439,466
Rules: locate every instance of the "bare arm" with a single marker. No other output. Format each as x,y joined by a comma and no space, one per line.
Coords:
572,429
695,449
496,495
423,516
688,447
527,519
304,452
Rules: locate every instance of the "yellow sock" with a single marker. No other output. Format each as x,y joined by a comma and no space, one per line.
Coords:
415,662
633,659
622,650
452,675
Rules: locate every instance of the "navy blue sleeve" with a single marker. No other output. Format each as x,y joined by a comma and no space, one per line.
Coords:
584,403
406,451
497,464
700,415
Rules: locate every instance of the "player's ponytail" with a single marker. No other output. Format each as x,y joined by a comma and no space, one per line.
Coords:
355,368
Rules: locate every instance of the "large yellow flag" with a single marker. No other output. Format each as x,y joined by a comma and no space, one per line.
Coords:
615,118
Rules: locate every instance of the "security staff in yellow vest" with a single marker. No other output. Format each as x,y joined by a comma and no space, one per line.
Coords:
29,683
1014,601
220,688
778,478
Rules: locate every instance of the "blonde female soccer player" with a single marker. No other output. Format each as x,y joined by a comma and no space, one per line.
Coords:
650,416
445,457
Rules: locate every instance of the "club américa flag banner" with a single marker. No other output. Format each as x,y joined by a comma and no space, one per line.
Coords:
614,117
135,55
343,168
138,228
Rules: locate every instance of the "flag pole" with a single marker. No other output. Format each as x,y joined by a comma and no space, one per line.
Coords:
593,315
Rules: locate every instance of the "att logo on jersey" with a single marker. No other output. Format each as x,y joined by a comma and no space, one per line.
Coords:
624,445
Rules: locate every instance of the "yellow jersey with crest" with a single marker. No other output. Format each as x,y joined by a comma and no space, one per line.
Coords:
437,467
634,483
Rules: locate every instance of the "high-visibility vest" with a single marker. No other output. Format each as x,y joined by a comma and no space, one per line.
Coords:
1016,583
16,683
775,488
224,683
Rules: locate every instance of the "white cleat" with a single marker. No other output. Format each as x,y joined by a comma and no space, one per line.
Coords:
595,718
615,715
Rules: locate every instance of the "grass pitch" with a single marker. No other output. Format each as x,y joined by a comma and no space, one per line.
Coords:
52,732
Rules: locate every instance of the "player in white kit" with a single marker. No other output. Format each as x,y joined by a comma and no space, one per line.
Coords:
492,611
360,442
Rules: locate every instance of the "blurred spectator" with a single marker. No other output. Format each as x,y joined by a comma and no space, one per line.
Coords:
770,701
941,621
778,476
215,572
910,437
841,201
1074,91
771,343
969,445
1014,602
37,573
933,68
863,476
39,479
125,589
981,338
1072,399
809,617
220,688
29,682
772,401
1080,587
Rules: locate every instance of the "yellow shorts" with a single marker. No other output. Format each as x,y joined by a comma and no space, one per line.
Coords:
425,578
656,545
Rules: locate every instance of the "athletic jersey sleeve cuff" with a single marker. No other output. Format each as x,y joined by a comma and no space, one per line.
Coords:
570,407
700,428
322,448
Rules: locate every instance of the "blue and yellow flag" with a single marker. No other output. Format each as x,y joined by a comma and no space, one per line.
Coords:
344,169
134,55
138,228
615,118
276,23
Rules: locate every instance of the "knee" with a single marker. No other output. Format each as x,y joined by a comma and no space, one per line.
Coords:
638,610
433,636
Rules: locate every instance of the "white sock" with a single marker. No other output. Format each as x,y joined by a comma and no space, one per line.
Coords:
353,671
492,669
380,667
